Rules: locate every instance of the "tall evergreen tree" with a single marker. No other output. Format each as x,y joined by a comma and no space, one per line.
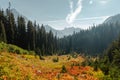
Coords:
50,44
2,32
30,36
10,25
43,39
21,33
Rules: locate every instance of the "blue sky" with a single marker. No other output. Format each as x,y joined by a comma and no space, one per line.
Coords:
65,13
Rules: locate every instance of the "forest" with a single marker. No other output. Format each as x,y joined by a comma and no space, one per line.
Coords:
101,42
92,41
31,36
28,35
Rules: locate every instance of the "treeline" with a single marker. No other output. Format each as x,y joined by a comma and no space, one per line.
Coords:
110,61
27,35
92,41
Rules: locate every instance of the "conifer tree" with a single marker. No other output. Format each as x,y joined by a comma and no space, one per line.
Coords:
21,33
30,36
2,32
10,26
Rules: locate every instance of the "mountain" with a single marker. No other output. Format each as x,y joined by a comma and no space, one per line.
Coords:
62,33
113,19
55,32
70,31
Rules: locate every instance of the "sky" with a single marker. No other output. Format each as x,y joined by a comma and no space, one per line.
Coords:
62,14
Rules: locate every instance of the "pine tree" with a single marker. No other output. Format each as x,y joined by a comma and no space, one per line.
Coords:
2,32
43,39
21,33
30,36
10,26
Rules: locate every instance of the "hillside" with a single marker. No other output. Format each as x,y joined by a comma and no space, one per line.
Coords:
14,67
92,41
30,67
113,19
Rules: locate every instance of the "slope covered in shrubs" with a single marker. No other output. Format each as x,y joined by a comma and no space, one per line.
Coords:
13,49
25,66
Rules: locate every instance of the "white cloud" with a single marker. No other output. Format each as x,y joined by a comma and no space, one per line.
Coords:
71,6
91,2
103,1
82,19
94,18
72,16
83,23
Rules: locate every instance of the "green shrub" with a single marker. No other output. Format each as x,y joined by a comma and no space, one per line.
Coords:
30,52
28,77
41,58
11,49
114,73
3,46
4,70
75,78
64,70
72,65
84,63
95,66
55,59
69,58
14,49
74,55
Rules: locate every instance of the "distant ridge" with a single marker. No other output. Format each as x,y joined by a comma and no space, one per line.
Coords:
113,19
62,33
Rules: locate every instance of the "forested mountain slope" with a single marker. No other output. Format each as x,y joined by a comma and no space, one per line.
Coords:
92,41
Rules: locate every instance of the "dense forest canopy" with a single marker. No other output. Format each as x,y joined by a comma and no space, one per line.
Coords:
91,41
29,35
109,63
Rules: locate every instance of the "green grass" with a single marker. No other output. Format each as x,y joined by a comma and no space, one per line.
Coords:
14,49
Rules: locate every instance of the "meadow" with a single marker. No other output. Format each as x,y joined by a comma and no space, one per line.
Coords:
30,67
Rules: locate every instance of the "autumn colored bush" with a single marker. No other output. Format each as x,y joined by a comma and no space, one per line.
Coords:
30,67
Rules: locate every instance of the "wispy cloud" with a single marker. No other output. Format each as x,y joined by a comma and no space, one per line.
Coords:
83,23
103,1
71,6
81,19
99,1
94,18
72,16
